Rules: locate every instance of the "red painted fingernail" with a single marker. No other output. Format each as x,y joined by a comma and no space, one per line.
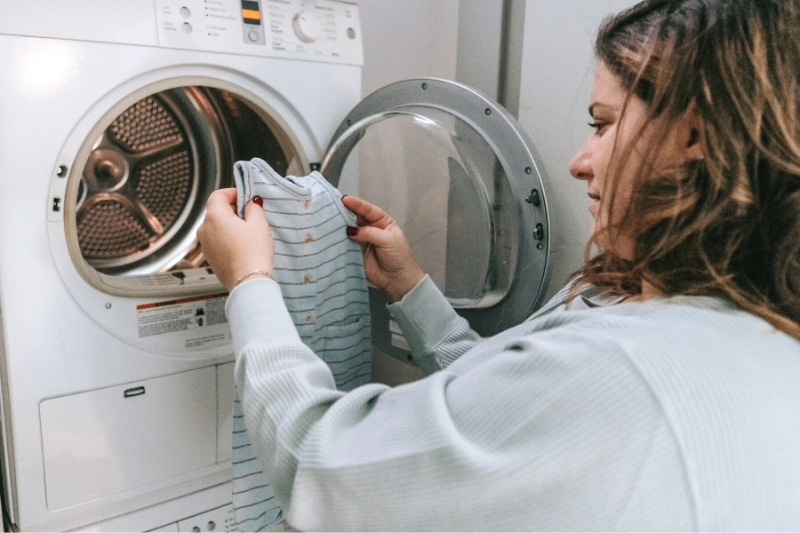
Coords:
258,200
352,231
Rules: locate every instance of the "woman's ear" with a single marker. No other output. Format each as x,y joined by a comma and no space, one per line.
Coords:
691,125
694,148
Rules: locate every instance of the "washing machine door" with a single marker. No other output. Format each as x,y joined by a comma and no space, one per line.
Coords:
460,176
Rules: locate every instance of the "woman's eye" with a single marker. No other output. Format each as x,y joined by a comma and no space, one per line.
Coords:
598,126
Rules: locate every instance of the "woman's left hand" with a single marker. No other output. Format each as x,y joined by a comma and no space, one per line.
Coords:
235,247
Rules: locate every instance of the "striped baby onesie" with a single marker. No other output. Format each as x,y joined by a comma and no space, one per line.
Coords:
321,275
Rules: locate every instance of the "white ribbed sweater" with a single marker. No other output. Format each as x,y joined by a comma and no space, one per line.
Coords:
670,414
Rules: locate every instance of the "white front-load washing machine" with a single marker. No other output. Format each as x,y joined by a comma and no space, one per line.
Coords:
118,120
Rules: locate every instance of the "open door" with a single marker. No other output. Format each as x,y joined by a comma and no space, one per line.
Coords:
462,179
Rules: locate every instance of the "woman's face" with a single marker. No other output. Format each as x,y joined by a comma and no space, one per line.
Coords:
623,134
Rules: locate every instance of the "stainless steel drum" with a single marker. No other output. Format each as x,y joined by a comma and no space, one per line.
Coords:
147,178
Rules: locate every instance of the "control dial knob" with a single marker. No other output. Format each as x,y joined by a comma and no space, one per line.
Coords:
306,26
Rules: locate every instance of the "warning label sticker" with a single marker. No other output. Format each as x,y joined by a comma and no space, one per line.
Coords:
180,315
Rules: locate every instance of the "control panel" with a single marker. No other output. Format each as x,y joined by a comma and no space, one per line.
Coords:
314,30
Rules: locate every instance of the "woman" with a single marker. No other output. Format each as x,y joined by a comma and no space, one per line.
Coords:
675,408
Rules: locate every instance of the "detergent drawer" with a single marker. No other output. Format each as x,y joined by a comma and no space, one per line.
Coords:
114,439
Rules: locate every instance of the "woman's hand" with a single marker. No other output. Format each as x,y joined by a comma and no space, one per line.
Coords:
389,262
235,247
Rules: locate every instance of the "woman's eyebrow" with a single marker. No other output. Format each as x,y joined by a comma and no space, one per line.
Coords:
593,107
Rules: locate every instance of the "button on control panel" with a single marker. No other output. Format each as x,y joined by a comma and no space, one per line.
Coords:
252,28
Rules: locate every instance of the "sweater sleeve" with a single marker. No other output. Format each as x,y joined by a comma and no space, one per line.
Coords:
436,334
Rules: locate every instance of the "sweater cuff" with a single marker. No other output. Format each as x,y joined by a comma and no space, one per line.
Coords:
424,315
256,312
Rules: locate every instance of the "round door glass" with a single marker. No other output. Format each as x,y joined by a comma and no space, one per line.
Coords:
443,183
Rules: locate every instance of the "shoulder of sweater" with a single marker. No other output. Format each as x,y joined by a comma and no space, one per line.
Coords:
656,318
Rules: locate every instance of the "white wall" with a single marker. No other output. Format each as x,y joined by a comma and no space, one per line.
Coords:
555,77
408,39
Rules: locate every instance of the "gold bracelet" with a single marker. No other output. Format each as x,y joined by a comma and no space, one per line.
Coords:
256,272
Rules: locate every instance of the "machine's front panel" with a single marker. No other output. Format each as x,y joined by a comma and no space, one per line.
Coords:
116,352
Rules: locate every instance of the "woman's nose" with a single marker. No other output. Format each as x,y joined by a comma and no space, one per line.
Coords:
580,167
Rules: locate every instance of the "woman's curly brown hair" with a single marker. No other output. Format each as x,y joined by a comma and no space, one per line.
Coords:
729,224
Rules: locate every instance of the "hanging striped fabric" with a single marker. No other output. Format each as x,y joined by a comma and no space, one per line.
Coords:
321,275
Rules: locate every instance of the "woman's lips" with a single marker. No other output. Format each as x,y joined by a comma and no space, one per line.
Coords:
594,206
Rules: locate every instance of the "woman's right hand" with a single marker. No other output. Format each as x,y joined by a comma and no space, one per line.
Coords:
233,246
389,263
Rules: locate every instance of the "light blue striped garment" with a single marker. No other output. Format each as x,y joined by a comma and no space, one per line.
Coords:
321,275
